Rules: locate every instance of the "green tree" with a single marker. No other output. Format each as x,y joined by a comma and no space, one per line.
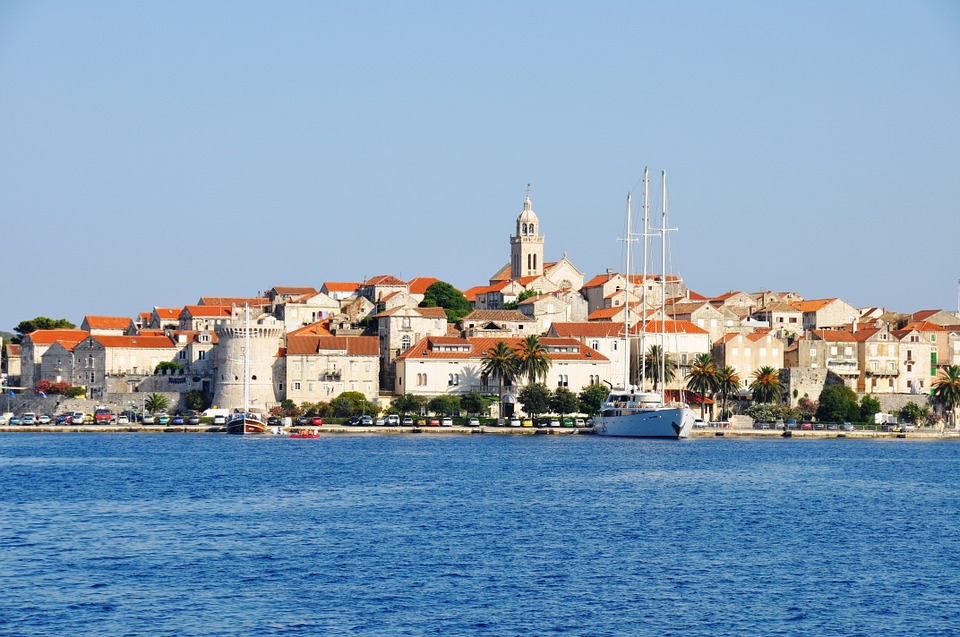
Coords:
156,402
452,300
523,296
40,323
946,391
499,362
535,399
472,403
651,367
728,383
444,405
168,367
409,404
532,359
352,403
703,377
592,398
912,412
837,403
868,407
563,401
196,400
766,386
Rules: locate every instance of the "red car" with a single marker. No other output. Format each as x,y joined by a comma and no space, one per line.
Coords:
316,421
806,425
434,422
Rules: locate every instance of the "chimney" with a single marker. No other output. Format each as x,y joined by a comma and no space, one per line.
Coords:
609,274
853,325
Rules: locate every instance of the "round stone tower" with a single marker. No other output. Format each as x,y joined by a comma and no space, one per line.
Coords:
265,338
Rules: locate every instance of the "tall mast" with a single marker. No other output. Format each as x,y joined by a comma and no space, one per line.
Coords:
626,314
246,348
663,293
643,294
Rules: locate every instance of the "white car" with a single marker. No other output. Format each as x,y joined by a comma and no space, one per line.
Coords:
393,420
473,422
514,422
44,419
123,420
446,422
219,419
76,418
554,422
29,418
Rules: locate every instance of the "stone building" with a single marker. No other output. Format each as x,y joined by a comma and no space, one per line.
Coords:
746,353
320,368
399,329
233,357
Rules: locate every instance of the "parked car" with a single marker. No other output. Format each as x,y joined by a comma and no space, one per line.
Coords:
473,422
353,420
791,423
162,419
218,419
123,419
393,420
29,418
806,425
77,418
579,422
407,421
44,419
301,421
366,421
554,422
103,416
447,422
380,422
14,420
194,419
908,426
316,421
149,419
433,422
819,426
273,421
847,426
515,422
567,422
177,420
62,419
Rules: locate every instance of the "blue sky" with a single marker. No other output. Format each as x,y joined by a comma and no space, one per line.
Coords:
152,153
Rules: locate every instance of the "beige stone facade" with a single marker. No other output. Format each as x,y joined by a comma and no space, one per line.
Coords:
320,368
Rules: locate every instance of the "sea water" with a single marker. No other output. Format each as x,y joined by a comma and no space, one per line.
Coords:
206,534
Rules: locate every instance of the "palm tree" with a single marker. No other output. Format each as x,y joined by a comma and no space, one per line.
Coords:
766,385
532,359
946,389
651,366
499,362
702,377
156,403
728,382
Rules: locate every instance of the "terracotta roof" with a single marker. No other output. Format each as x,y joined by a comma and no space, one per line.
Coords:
135,342
669,327
426,312
923,314
228,301
107,322
385,279
145,317
153,332
588,329
420,284
835,336
478,346
13,349
778,306
814,305
924,326
471,293
294,291
605,313
527,280
502,274
496,315
168,312
341,286
695,296
635,279
320,328
305,344
213,311
686,307
49,337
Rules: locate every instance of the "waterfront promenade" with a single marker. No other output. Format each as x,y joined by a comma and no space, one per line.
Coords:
493,430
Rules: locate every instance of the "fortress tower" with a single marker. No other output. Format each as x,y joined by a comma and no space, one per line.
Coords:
266,334
526,247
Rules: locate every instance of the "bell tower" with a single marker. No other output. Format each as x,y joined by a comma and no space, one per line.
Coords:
526,247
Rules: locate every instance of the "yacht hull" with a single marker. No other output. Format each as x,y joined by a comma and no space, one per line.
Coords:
246,426
654,422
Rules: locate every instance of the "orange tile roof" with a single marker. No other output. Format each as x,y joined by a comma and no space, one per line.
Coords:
812,306
385,279
471,293
605,313
320,328
228,301
924,326
496,315
168,312
923,314
135,342
420,284
503,274
588,329
212,311
669,327
13,349
695,296
305,344
294,291
107,322
49,337
341,286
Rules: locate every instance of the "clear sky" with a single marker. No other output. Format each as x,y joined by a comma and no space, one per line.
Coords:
155,152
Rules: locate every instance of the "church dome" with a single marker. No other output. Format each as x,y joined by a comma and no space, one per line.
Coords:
528,215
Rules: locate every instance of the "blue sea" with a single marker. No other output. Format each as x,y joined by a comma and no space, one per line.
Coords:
208,534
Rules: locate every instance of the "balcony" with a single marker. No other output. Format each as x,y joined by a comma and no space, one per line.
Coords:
883,372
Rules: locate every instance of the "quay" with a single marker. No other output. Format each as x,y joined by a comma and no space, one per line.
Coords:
492,430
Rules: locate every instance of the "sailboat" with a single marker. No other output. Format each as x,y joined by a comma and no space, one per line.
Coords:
630,411
246,422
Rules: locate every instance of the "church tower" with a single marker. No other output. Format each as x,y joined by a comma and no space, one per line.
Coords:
526,247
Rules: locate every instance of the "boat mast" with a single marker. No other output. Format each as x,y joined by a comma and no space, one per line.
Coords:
643,294
626,315
246,347
663,293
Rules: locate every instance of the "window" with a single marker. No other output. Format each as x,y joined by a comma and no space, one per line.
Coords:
405,342
201,355
563,380
848,351
310,387
775,351
833,350
595,344
182,354
763,351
